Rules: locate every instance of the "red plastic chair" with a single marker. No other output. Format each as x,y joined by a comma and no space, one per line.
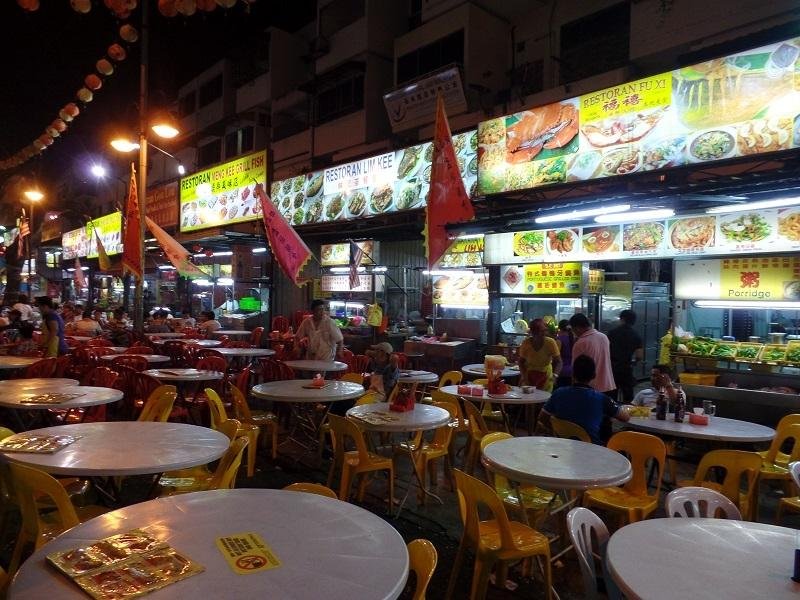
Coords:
255,336
204,352
175,350
101,377
212,363
347,358
138,350
137,363
402,360
280,324
360,363
63,365
41,368
98,343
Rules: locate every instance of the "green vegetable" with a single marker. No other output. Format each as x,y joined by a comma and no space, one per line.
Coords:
773,354
793,355
724,351
749,352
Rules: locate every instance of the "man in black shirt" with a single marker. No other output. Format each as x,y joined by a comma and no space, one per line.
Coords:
626,348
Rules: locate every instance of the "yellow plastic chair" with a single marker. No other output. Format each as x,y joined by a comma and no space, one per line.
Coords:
536,502
200,472
489,412
158,405
569,430
39,527
312,488
497,540
450,378
422,559
481,381
353,378
223,477
781,458
773,467
356,462
248,430
793,503
438,447
632,499
477,429
265,420
736,463
369,397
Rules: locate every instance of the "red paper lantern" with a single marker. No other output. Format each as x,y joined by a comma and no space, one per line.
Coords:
81,6
93,82
128,33
206,5
186,7
104,67
117,52
168,8
30,5
58,125
227,3
85,95
51,131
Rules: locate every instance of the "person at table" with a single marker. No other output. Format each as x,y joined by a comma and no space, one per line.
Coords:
100,316
582,405
660,381
87,326
208,322
383,369
539,357
24,307
11,329
321,334
565,340
594,344
626,348
25,345
52,340
158,323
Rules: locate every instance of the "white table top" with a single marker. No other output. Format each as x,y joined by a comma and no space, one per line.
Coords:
117,349
718,429
327,548
703,559
556,463
166,336
515,396
251,352
423,417
480,370
294,390
151,358
16,362
79,338
126,448
412,376
178,374
204,343
232,332
35,383
329,366
89,396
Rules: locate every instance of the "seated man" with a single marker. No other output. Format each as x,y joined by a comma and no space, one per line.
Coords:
582,405
208,322
660,379
87,326
383,369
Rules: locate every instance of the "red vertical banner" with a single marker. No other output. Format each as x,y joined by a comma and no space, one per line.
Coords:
448,201
132,242
287,248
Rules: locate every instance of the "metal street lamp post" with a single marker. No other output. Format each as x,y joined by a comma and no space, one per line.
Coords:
33,197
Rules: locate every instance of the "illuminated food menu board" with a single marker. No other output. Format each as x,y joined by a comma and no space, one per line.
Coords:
223,194
462,289
373,186
743,104
551,279
83,242
463,253
774,230
332,255
763,278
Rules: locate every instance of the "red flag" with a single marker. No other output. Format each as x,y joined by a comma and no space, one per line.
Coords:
177,254
80,280
132,235
448,201
288,249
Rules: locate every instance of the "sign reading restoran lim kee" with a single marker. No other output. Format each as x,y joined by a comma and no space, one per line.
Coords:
223,194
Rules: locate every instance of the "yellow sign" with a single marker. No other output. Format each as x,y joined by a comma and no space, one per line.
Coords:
769,278
553,278
461,246
597,281
633,97
223,194
247,553
83,242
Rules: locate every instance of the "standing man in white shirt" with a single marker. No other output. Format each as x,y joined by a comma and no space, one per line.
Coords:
24,307
325,341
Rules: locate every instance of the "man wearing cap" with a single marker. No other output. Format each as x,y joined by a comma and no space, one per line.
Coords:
383,367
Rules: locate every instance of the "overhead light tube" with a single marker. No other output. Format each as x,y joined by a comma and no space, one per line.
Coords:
575,215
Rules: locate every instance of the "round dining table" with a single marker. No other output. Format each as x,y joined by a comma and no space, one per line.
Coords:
74,396
479,370
116,349
378,417
300,391
184,375
153,359
9,386
204,343
170,335
231,353
326,548
16,362
513,396
556,463
122,448
719,429
79,338
414,376
317,366
703,559
232,332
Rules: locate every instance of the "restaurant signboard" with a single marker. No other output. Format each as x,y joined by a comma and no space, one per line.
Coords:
223,194
739,105
463,289
162,204
337,255
341,283
83,242
763,278
551,279
756,232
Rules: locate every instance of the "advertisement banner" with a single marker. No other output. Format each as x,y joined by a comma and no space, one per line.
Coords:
162,204
338,255
739,105
413,104
542,279
82,242
223,194
370,172
463,289
767,278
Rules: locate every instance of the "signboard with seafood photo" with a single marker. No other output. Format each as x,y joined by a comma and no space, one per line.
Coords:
223,194
462,288
83,242
772,230
743,104
335,255
372,186
767,278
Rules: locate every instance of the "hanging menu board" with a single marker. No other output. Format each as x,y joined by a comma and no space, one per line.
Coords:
333,255
462,289
83,242
373,186
551,279
739,105
463,253
768,278
765,231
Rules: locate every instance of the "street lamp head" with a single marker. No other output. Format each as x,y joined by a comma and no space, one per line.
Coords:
98,171
34,195
181,170
124,145
165,126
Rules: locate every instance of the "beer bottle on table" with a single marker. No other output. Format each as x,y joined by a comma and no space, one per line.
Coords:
661,405
680,405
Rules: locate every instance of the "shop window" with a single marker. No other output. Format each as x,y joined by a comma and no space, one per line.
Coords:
247,138
239,141
339,14
209,154
340,99
604,36
232,144
187,104
445,51
210,91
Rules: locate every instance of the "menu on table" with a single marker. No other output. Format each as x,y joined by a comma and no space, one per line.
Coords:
38,444
126,565
377,417
53,398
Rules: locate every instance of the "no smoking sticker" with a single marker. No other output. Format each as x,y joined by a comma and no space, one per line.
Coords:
247,553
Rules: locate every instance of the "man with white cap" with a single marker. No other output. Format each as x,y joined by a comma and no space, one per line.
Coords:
383,367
